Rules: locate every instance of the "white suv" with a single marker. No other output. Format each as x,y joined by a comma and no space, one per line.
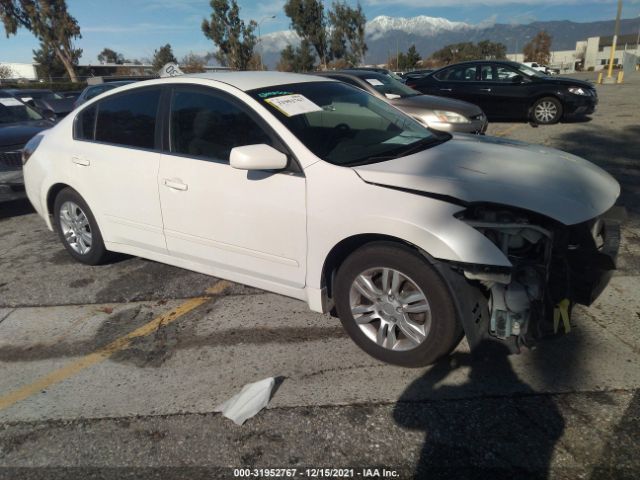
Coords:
317,190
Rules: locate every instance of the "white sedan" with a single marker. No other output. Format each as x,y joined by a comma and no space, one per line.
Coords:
314,189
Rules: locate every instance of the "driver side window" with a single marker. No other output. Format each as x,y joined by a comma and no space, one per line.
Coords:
208,126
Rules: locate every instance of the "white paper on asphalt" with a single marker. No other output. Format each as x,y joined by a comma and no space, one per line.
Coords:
252,398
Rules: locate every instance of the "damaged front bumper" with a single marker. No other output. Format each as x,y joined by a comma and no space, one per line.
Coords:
552,270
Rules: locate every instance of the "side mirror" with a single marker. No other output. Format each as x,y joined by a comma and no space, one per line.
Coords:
257,157
517,79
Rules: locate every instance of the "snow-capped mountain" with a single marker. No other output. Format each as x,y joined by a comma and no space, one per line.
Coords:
376,29
386,35
421,25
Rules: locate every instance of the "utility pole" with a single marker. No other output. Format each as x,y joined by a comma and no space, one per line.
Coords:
638,41
610,78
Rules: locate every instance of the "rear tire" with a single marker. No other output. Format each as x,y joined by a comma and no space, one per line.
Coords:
78,229
395,306
547,111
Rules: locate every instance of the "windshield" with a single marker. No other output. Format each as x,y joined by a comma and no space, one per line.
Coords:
389,87
531,72
13,110
343,124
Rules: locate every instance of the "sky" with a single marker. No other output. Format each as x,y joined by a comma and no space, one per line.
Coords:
136,28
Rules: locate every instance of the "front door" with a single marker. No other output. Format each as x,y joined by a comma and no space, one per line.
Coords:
501,94
250,223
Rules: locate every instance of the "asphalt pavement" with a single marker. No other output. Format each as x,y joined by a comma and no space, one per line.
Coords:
115,371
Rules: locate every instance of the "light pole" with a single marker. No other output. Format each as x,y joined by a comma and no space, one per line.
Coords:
609,78
638,41
268,17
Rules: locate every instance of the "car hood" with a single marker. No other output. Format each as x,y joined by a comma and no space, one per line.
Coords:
431,102
17,134
473,169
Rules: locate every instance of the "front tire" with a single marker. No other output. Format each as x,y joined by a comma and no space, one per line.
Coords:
77,228
547,111
395,306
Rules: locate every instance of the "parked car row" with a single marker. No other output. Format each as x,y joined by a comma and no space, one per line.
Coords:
315,189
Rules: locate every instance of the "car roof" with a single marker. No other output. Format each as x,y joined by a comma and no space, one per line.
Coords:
252,80
503,62
31,91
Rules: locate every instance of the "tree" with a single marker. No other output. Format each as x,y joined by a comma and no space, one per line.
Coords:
492,51
412,58
309,22
192,63
5,72
464,51
50,22
234,39
162,56
110,56
347,25
539,49
48,65
298,59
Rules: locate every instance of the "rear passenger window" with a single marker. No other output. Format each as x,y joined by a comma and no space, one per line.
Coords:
85,126
128,119
209,126
462,73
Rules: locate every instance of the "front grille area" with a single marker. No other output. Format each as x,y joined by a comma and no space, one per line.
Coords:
479,116
11,159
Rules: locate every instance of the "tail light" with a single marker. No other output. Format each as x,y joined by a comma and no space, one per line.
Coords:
30,147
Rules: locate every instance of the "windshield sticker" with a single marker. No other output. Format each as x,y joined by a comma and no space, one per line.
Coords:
391,96
272,94
295,104
10,102
374,81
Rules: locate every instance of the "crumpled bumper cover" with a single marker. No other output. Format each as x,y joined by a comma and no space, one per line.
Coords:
591,267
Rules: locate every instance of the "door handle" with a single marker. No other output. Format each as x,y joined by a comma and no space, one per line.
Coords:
78,160
445,90
485,89
176,185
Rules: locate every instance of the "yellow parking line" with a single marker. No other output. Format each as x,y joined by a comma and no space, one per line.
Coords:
508,130
105,352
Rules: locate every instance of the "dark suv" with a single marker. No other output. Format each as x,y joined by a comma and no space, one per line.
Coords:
511,91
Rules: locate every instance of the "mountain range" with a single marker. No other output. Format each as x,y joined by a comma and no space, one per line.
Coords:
385,35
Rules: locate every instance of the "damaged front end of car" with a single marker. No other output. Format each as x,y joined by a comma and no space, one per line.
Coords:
553,267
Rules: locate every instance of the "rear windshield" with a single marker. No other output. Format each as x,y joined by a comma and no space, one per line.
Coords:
13,110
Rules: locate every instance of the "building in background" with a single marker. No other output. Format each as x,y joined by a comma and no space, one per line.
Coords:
591,54
23,71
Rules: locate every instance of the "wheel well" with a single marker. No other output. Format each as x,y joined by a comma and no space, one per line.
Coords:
346,247
52,194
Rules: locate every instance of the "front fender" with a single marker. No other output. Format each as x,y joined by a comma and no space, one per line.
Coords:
425,222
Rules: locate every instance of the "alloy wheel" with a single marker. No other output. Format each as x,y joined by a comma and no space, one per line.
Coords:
75,227
546,112
390,308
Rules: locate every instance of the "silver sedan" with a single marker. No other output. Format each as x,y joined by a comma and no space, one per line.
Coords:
439,113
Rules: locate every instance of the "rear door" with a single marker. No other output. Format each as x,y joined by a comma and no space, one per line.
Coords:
115,162
459,82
